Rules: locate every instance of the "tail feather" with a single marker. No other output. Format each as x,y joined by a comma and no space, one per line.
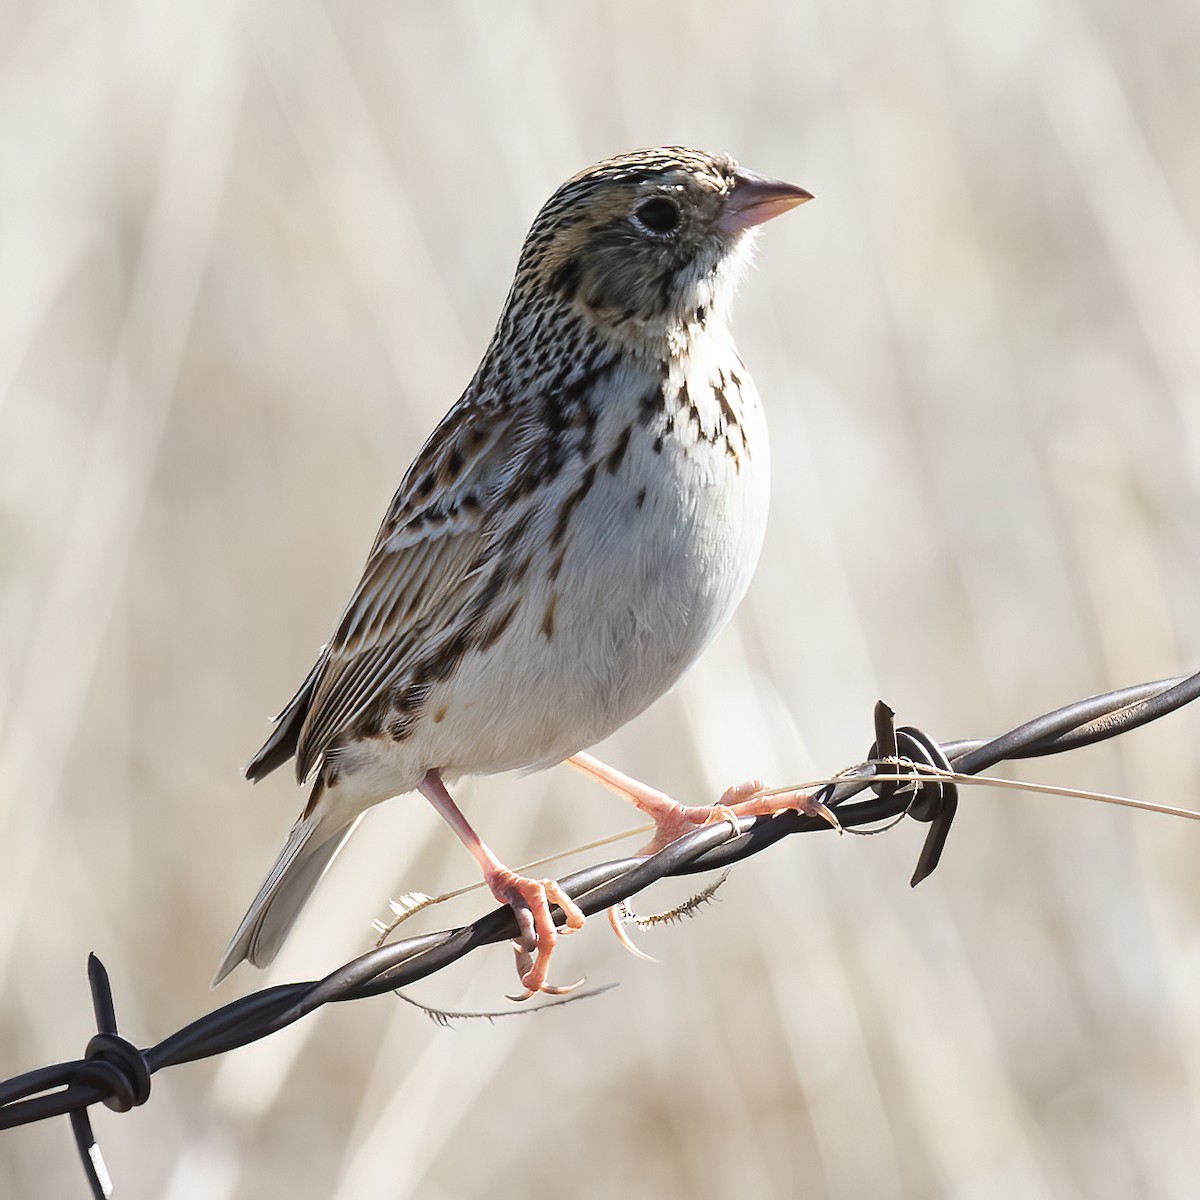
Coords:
309,850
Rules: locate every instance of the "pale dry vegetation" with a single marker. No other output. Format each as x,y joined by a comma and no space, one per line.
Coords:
249,253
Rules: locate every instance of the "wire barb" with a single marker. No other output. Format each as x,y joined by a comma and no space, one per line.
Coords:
446,1019
114,1072
673,916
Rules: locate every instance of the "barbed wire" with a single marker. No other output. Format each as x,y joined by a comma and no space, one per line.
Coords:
905,771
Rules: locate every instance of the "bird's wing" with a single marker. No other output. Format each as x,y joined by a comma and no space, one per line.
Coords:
427,561
281,745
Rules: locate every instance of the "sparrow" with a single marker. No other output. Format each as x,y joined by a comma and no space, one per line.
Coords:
572,535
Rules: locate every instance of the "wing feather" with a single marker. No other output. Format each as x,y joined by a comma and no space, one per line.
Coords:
420,573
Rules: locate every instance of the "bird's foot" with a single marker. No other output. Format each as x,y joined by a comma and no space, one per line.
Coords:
530,900
750,799
754,799
671,823
672,819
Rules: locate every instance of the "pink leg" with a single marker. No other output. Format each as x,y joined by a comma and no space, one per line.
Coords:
672,819
530,899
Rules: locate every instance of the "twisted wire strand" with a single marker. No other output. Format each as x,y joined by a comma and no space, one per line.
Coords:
114,1072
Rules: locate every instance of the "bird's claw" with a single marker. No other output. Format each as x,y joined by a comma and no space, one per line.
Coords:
616,918
530,900
547,989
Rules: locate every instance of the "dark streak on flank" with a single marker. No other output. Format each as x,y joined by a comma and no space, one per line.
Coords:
513,537
440,664
548,617
490,635
652,403
726,408
521,569
570,503
589,419
687,403
617,453
641,497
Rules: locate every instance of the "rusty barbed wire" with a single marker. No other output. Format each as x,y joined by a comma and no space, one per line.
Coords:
901,770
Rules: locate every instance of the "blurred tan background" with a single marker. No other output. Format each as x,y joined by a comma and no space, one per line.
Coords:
250,252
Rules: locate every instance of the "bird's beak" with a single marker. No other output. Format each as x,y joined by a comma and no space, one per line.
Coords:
754,199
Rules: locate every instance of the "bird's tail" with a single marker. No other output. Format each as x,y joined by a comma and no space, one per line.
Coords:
309,850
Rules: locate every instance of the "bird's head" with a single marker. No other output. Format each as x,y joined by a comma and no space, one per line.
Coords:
648,244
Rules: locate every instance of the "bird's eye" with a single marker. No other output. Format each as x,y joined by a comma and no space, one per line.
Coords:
658,215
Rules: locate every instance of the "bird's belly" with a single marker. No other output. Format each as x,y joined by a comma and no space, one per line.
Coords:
654,560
